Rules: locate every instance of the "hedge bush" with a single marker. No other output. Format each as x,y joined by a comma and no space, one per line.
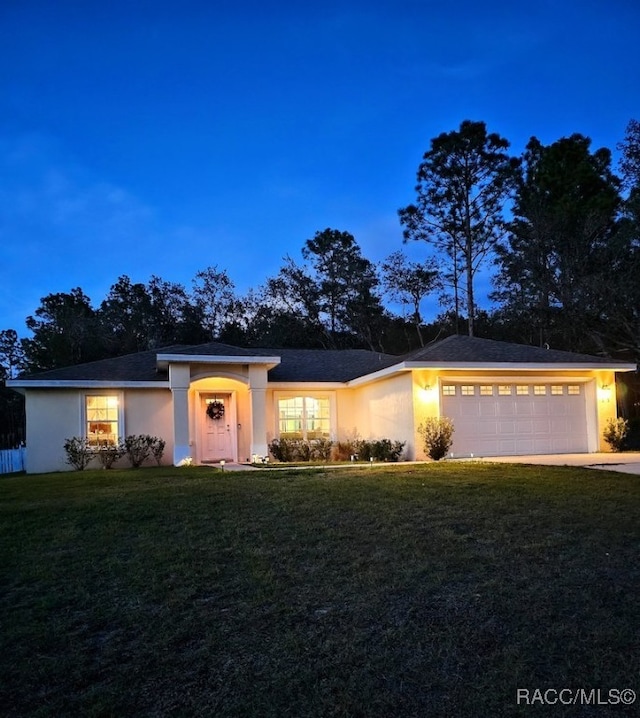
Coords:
80,452
437,433
289,450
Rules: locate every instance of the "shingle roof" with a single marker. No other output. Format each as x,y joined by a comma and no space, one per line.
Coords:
339,365
317,365
130,367
460,348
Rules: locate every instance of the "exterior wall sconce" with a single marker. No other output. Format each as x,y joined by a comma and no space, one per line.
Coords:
604,392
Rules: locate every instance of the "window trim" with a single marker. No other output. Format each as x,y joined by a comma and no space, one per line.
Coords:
306,394
84,422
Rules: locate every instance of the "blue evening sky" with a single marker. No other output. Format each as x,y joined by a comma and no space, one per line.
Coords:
159,137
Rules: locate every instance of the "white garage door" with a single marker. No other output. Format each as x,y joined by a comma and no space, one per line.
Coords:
513,419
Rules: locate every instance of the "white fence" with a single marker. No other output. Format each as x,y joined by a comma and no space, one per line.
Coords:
12,460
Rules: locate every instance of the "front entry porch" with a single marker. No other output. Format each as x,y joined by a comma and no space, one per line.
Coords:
219,414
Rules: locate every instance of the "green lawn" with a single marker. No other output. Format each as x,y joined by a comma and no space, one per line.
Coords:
426,590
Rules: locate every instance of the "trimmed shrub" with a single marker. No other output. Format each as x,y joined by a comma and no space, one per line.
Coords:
321,449
364,450
437,433
138,448
79,452
282,449
287,450
615,433
387,450
110,453
379,450
157,449
344,450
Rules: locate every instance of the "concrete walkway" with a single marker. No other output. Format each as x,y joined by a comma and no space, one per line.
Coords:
626,462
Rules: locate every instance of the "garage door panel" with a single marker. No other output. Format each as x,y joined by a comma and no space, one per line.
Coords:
512,424
541,408
507,447
526,446
506,427
486,429
541,426
523,427
524,408
487,409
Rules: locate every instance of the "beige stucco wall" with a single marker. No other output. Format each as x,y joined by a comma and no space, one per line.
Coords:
54,415
149,411
383,410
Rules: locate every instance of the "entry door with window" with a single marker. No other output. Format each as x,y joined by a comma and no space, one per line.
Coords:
218,428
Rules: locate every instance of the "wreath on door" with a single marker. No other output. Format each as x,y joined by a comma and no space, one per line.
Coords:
215,410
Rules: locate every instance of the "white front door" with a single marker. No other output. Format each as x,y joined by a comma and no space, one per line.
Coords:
217,428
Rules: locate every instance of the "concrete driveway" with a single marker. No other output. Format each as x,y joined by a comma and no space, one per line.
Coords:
626,462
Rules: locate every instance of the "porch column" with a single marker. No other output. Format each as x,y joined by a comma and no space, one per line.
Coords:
179,379
258,394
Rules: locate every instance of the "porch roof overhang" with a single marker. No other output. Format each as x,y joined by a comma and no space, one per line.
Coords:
164,360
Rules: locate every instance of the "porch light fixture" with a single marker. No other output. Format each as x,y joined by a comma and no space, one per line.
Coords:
604,393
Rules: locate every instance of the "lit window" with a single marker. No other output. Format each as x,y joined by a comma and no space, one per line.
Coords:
467,390
486,390
504,389
102,413
540,390
522,390
573,389
556,389
449,390
304,417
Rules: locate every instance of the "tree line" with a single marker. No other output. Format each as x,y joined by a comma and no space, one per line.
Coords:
559,226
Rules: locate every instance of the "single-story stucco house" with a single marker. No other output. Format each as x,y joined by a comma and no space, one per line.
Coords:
214,401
